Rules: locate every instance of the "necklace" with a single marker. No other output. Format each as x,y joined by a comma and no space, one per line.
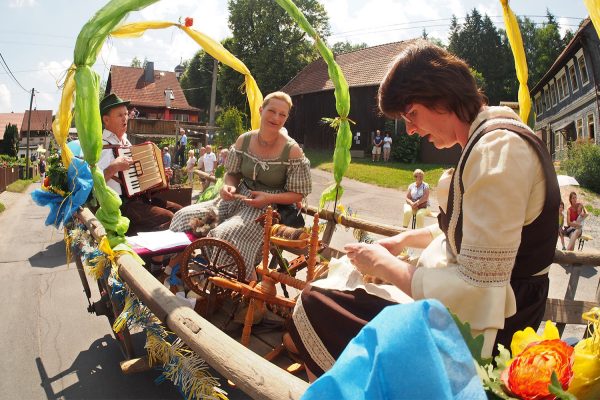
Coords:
263,142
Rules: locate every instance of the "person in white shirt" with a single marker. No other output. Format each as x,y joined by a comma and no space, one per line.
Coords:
209,160
145,213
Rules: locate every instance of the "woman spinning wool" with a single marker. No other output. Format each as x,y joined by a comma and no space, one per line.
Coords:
263,167
490,270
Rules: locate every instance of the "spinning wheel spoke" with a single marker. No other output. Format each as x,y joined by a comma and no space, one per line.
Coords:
208,257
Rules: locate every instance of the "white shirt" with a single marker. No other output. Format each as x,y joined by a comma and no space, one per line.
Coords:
209,160
183,140
387,142
107,156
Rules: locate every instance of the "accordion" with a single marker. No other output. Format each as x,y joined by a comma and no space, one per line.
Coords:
146,173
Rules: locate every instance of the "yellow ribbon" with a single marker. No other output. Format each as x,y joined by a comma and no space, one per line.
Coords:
212,47
516,45
64,116
593,7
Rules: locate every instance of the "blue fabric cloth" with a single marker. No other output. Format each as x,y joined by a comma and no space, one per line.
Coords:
409,351
79,181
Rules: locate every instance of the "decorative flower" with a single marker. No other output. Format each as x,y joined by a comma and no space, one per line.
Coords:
189,21
522,339
529,374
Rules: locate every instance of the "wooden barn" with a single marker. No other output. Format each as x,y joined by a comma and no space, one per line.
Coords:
313,98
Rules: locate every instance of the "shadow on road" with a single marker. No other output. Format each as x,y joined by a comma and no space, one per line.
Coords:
98,376
53,256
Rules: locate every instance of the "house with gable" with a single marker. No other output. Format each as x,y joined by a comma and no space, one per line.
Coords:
566,100
158,99
40,132
312,93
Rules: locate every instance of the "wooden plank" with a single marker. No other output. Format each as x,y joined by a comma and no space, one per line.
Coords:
567,311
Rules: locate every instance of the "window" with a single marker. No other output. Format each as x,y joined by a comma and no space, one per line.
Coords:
562,87
582,68
573,76
591,127
579,128
538,105
545,99
553,93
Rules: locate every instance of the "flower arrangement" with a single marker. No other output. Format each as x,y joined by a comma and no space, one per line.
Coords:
56,177
541,367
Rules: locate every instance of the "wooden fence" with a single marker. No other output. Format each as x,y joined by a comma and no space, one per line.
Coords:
7,176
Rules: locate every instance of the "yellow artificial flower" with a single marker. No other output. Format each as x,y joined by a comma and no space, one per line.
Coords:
522,339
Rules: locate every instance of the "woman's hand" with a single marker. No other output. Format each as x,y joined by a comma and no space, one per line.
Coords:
227,192
370,259
258,199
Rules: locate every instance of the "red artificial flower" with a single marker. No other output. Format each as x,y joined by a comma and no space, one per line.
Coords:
189,22
529,374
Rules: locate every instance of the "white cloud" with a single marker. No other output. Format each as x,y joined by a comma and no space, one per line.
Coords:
5,97
563,26
22,3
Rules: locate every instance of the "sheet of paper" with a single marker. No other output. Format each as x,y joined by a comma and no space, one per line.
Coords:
154,241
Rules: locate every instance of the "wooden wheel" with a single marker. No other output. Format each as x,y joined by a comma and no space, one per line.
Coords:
210,257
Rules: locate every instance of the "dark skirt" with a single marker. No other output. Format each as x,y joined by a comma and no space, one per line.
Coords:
531,294
335,317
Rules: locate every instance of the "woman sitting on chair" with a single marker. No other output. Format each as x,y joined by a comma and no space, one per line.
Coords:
263,167
576,213
417,200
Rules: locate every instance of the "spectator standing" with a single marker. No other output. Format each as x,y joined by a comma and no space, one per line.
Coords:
189,168
387,147
42,167
166,157
377,143
209,160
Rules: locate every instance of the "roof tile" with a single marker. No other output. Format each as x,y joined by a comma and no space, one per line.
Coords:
364,67
128,83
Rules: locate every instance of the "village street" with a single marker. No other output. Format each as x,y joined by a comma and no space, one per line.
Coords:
53,348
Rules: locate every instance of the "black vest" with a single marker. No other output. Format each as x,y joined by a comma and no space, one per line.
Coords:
538,239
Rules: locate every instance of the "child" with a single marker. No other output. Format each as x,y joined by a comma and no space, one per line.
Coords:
191,163
561,223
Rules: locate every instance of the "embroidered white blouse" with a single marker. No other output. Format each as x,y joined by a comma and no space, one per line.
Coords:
504,190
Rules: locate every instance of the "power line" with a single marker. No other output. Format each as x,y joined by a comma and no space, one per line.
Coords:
7,69
366,30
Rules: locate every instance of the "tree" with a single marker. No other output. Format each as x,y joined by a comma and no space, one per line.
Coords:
196,81
346,47
136,62
479,43
270,43
10,142
231,123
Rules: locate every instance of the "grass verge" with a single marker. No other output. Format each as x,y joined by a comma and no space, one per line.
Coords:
2,207
389,175
19,186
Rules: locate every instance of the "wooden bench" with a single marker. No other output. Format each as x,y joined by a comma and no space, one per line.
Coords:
582,239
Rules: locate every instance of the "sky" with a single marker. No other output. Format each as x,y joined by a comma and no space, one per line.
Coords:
37,37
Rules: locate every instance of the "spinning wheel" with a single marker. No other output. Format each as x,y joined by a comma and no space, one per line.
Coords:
210,257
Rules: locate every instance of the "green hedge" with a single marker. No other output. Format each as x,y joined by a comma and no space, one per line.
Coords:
583,163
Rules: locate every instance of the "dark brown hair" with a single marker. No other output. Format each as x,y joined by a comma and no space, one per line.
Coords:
429,75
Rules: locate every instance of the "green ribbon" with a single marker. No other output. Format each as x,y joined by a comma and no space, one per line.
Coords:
341,154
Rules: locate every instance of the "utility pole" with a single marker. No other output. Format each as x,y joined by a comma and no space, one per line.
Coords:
28,130
213,97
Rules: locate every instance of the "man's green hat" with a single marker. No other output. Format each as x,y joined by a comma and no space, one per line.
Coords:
110,101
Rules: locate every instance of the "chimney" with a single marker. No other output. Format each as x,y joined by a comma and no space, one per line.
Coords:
149,72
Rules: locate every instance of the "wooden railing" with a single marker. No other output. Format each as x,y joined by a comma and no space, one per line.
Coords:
254,375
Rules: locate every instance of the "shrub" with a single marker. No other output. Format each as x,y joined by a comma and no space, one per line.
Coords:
405,147
583,163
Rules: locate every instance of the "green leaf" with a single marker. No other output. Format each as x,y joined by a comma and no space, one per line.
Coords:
502,358
475,345
556,389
